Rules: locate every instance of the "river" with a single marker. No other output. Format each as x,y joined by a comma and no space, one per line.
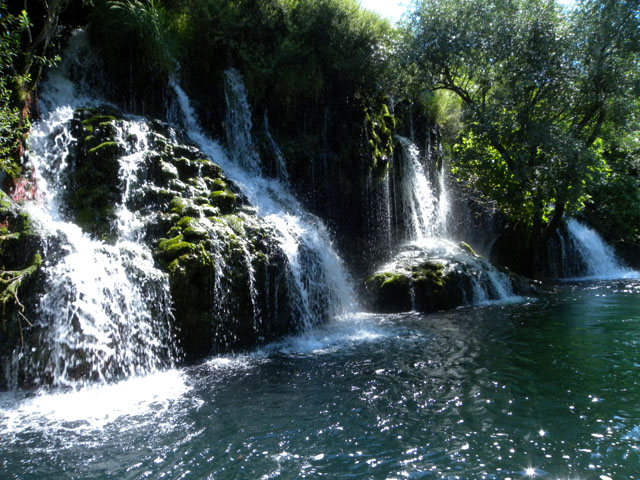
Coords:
548,388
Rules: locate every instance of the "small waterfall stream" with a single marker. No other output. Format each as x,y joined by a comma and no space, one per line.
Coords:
583,255
106,306
426,206
316,274
428,209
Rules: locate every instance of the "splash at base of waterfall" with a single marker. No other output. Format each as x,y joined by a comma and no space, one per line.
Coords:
579,253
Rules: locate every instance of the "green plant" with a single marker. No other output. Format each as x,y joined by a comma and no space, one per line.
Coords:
12,126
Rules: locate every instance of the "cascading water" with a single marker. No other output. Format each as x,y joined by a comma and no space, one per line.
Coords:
585,255
106,310
281,164
239,137
426,210
321,288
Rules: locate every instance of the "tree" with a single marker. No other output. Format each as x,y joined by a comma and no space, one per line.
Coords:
25,37
538,85
11,29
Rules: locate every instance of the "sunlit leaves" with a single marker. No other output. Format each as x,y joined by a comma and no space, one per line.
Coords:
12,127
541,90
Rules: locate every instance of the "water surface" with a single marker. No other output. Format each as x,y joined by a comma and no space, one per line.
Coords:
548,388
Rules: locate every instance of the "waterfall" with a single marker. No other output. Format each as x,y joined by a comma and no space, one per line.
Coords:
425,206
427,212
316,276
281,164
585,255
238,119
106,310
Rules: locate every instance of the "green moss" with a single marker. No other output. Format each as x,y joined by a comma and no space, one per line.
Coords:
192,229
388,280
5,202
207,168
106,148
236,224
219,185
467,248
171,248
429,273
178,205
390,291
98,120
225,200
380,130
185,222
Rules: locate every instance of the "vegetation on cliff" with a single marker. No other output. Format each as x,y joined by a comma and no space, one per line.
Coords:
538,103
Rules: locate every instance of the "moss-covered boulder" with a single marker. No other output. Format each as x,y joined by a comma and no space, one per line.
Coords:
390,291
92,184
439,276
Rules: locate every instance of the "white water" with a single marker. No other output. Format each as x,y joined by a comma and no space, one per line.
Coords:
316,275
428,212
143,400
240,141
599,258
428,209
106,308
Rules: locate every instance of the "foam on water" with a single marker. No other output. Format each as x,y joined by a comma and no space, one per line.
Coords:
92,407
345,331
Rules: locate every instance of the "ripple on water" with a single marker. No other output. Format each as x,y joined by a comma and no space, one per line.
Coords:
546,388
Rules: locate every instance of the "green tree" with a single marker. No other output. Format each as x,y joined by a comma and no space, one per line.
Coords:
538,86
11,29
24,45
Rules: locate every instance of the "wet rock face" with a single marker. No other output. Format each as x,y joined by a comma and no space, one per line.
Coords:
423,287
21,248
144,182
226,271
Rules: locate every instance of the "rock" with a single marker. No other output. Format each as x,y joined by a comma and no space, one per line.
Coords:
391,292
441,276
226,271
21,247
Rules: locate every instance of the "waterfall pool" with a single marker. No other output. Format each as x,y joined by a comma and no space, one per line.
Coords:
542,389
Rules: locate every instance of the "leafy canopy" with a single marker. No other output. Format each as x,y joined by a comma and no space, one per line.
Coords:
540,90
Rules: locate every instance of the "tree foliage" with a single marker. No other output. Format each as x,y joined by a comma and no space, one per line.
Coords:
11,125
25,41
541,89
299,58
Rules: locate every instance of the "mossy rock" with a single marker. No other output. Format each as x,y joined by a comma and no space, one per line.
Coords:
224,199
219,185
391,292
171,248
467,248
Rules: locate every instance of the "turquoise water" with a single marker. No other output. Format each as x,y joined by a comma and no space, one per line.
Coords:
548,388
